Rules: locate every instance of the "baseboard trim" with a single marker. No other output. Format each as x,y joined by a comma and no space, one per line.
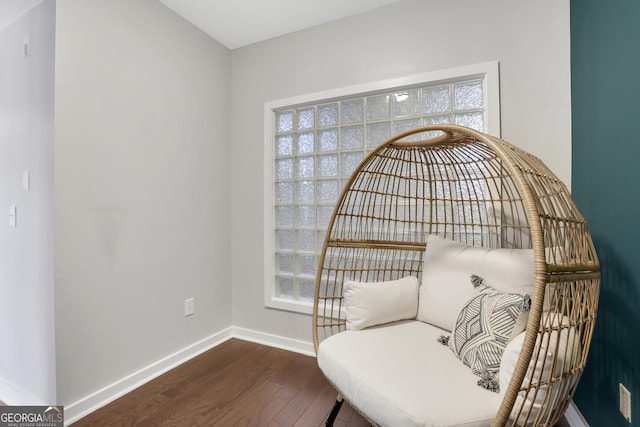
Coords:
277,341
76,410
83,407
574,416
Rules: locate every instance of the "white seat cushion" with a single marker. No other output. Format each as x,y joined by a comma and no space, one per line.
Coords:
399,375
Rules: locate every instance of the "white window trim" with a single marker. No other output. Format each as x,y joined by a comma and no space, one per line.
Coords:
487,70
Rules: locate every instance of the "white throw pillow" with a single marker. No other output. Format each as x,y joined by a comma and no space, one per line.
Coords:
565,343
376,303
448,266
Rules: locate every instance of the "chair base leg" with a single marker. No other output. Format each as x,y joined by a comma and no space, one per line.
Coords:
334,411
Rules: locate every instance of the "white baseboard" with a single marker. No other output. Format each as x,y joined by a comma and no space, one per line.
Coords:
83,407
297,346
76,410
574,416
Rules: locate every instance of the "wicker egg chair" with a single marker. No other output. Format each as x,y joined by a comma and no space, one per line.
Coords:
476,189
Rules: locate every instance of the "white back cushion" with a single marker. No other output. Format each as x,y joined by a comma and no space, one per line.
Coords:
445,276
376,303
563,345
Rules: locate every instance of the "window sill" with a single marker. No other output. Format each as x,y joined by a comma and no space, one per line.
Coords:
289,305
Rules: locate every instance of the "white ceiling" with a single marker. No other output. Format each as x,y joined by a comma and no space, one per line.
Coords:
237,23
10,10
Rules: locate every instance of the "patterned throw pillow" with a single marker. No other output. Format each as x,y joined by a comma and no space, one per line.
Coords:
484,327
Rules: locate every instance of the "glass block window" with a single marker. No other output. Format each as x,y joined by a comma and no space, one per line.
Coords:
316,146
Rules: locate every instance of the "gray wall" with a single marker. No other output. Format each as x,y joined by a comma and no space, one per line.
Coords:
141,189
27,355
530,39
159,157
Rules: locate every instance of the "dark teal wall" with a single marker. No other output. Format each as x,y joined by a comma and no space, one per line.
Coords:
605,86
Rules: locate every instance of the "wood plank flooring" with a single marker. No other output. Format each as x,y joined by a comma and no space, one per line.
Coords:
237,383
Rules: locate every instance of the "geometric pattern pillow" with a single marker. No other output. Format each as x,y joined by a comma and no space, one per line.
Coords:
484,327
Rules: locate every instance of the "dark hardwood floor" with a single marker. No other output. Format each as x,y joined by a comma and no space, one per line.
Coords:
237,383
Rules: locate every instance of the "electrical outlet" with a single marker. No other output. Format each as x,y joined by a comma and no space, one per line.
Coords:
625,402
188,307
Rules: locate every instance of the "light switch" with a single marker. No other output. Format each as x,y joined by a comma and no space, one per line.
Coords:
13,220
26,181
26,45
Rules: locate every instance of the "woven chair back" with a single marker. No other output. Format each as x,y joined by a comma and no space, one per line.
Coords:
476,189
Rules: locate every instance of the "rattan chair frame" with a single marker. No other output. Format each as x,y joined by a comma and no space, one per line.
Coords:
480,190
